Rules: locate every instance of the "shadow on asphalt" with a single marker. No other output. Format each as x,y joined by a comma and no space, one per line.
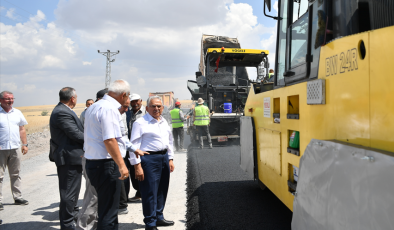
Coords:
28,225
48,215
52,175
131,226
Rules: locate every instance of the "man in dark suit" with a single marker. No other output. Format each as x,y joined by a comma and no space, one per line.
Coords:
66,151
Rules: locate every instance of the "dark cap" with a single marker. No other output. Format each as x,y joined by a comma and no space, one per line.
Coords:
100,94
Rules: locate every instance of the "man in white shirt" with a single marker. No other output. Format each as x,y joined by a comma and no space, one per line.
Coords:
104,151
12,131
130,149
135,111
152,134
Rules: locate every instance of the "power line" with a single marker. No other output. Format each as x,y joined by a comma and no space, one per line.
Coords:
16,13
24,10
37,28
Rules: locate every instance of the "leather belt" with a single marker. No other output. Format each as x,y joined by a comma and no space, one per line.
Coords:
102,160
162,152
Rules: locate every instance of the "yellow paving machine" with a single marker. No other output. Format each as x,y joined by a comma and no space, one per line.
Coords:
223,83
322,137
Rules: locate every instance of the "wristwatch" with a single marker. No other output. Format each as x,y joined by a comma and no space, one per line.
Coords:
25,145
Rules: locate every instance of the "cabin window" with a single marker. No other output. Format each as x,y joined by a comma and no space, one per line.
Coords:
300,7
299,42
282,30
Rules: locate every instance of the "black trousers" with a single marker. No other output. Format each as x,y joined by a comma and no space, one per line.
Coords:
123,194
70,177
178,132
134,181
104,177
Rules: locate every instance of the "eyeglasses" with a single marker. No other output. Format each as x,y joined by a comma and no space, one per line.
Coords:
8,99
153,106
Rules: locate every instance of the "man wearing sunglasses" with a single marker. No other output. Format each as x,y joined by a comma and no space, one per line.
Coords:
152,134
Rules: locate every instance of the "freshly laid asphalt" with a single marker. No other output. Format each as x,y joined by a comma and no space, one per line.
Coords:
221,196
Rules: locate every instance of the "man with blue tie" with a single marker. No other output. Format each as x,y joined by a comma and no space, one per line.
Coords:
152,134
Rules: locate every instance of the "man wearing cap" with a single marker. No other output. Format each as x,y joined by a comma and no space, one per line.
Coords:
100,94
130,149
201,121
135,111
178,118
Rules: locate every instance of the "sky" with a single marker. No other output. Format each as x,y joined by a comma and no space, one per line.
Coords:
46,45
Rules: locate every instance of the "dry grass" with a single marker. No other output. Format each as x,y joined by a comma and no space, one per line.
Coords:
38,123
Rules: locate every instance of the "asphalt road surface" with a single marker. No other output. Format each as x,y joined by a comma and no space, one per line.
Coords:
221,196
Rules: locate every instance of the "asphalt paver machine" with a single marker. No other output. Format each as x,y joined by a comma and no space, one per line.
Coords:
223,82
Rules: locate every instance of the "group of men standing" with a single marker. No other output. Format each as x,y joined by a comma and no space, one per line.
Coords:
116,137
111,144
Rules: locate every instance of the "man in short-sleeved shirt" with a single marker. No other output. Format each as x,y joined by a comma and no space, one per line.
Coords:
152,134
104,152
12,131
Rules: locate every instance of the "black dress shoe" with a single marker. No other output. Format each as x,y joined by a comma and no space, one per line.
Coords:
164,222
151,228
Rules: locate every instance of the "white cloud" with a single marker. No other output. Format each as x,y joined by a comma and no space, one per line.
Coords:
36,55
10,14
52,61
10,86
270,44
35,46
159,43
29,88
276,6
40,16
141,82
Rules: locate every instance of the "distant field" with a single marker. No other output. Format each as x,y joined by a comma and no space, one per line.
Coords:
38,123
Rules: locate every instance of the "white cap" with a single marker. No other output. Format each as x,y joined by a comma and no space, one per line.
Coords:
134,96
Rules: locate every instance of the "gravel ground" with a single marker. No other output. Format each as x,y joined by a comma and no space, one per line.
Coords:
221,196
38,144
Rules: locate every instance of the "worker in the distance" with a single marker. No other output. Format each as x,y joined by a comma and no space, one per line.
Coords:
270,75
178,118
201,121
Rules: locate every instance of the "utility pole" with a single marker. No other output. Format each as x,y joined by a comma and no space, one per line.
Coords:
108,54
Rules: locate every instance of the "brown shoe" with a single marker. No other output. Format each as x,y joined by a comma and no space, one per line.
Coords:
134,199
